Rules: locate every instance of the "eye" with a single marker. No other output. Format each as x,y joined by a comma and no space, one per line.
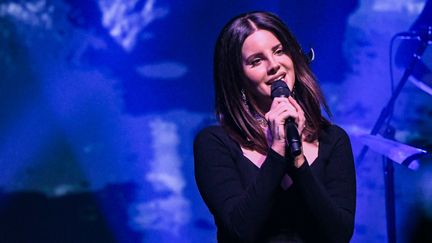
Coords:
279,52
255,62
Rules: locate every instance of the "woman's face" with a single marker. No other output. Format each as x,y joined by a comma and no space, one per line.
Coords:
265,61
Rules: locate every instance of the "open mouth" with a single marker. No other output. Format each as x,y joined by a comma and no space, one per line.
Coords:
280,77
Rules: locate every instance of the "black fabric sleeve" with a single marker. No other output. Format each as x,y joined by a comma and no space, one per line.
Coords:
242,211
332,205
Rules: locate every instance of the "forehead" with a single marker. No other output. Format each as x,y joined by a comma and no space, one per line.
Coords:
259,41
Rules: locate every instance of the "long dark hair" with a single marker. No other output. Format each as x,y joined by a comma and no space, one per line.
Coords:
235,106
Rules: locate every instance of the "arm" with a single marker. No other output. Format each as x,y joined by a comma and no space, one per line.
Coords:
242,211
332,204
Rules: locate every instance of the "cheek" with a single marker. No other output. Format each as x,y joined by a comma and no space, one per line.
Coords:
250,75
255,75
291,75
291,81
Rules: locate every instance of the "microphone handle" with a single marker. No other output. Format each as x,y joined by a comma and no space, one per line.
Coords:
292,138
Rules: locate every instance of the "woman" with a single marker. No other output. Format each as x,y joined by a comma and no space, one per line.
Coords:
255,190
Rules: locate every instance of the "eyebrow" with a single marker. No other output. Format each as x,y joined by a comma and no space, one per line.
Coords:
277,47
274,48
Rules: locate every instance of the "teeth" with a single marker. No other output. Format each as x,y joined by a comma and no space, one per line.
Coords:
282,77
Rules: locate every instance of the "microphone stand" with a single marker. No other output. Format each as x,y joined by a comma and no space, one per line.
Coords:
386,112
390,207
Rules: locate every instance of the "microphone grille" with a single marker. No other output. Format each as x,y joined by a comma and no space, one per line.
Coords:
279,89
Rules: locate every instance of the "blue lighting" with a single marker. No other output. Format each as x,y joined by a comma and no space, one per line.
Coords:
100,101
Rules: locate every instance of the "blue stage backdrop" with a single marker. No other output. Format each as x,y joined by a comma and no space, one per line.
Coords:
100,101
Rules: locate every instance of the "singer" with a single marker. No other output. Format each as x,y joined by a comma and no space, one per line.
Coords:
256,189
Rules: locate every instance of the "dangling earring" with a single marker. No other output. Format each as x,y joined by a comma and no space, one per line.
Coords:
309,56
243,97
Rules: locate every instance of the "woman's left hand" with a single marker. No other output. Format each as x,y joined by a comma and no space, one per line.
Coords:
300,119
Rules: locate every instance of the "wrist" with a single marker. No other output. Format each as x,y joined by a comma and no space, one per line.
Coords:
299,160
279,148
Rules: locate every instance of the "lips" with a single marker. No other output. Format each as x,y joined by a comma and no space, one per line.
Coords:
278,77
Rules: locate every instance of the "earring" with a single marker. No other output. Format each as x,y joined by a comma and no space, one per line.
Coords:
309,56
243,97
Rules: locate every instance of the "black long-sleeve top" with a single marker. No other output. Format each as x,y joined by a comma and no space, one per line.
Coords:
249,204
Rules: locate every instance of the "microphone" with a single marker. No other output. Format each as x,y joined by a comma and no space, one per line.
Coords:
410,35
280,89
422,34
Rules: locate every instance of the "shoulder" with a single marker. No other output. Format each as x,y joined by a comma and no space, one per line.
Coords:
213,134
335,130
212,142
336,145
334,133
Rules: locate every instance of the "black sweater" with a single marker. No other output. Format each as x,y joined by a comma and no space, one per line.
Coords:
249,204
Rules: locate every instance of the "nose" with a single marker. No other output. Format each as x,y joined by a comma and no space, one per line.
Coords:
273,66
